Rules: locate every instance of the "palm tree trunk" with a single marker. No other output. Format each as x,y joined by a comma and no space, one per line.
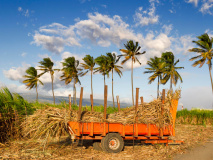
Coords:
112,91
53,89
36,94
104,81
75,92
170,82
91,83
158,88
211,77
132,83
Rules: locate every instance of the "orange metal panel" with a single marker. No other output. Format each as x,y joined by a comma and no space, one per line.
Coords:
123,130
104,132
173,111
91,129
136,130
103,128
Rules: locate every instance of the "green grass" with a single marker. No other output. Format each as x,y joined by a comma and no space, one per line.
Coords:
196,116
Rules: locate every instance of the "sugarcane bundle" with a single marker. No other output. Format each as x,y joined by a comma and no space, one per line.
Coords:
87,116
147,113
49,122
52,122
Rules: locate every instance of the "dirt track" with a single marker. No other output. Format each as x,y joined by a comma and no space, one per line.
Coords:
193,135
204,152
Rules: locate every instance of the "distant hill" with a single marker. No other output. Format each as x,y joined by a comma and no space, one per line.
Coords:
59,99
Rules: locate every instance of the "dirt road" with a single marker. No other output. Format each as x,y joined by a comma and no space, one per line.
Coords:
203,152
192,135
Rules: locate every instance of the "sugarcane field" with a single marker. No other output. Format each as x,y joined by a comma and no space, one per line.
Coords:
106,80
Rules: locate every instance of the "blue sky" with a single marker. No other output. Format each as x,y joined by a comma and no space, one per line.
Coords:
32,30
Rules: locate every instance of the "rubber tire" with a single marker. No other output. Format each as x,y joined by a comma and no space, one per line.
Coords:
97,146
105,143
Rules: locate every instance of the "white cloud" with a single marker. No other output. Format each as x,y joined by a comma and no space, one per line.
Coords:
210,33
157,43
206,7
16,73
54,37
51,43
25,13
20,9
167,28
195,2
68,54
99,29
19,89
146,17
23,54
77,19
44,56
103,30
183,44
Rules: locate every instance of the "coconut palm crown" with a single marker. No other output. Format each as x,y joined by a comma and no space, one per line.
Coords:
103,66
170,71
70,73
32,79
205,53
47,66
156,67
113,60
88,65
131,52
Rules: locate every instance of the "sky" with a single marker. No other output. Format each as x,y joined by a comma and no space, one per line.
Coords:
33,30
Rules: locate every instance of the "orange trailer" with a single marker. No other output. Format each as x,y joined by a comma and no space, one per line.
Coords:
110,136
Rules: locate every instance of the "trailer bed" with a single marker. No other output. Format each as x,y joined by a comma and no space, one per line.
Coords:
97,130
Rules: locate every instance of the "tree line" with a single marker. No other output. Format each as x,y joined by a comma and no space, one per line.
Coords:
163,68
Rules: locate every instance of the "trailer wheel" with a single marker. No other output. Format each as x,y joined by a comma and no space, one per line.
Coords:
112,143
97,146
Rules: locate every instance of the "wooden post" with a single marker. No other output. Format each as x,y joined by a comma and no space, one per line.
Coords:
162,112
118,103
70,104
136,105
142,104
163,96
91,99
141,100
105,101
80,104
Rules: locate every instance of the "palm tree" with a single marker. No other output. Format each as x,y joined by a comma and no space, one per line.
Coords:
47,66
32,79
88,65
170,71
113,60
205,52
102,62
157,67
70,72
131,52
